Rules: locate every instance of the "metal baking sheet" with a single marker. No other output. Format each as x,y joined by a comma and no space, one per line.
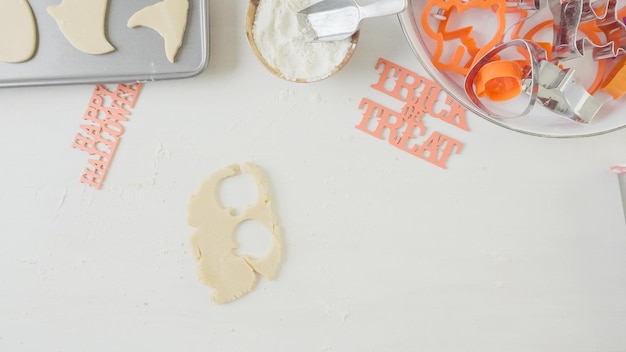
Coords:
139,54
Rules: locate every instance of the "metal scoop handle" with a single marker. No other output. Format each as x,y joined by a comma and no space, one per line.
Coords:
382,8
340,19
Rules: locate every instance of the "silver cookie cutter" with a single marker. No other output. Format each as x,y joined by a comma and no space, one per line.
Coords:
560,93
528,5
570,14
525,4
554,88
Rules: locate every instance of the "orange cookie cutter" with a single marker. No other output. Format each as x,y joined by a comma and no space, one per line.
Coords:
499,80
615,83
442,11
529,66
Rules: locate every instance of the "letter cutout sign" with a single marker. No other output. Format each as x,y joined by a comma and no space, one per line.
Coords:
101,135
406,129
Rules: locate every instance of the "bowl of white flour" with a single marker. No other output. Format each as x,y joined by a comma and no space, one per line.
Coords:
281,40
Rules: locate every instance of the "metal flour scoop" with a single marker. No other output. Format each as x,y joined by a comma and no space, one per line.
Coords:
339,19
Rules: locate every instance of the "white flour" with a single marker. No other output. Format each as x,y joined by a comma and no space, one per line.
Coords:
283,41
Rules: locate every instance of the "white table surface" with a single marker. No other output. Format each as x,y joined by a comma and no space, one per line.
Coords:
520,245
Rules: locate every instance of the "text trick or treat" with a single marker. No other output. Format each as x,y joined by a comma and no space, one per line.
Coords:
406,128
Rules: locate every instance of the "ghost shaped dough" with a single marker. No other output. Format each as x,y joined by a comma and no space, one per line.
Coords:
18,31
169,19
82,23
213,244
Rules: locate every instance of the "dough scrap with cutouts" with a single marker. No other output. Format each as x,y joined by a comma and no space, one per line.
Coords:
169,19
82,23
213,243
18,31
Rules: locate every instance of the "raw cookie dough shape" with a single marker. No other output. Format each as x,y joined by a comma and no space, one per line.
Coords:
18,31
82,23
213,243
169,19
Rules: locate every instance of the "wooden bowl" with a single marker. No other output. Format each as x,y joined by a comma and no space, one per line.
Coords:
250,17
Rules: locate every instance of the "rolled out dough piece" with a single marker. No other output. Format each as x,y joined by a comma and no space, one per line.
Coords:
213,244
169,19
82,23
18,31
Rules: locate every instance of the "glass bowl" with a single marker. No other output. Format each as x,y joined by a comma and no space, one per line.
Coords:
540,121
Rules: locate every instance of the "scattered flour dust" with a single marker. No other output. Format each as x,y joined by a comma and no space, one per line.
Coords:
283,39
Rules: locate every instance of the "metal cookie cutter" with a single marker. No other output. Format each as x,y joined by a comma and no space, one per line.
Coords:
560,93
541,80
569,15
